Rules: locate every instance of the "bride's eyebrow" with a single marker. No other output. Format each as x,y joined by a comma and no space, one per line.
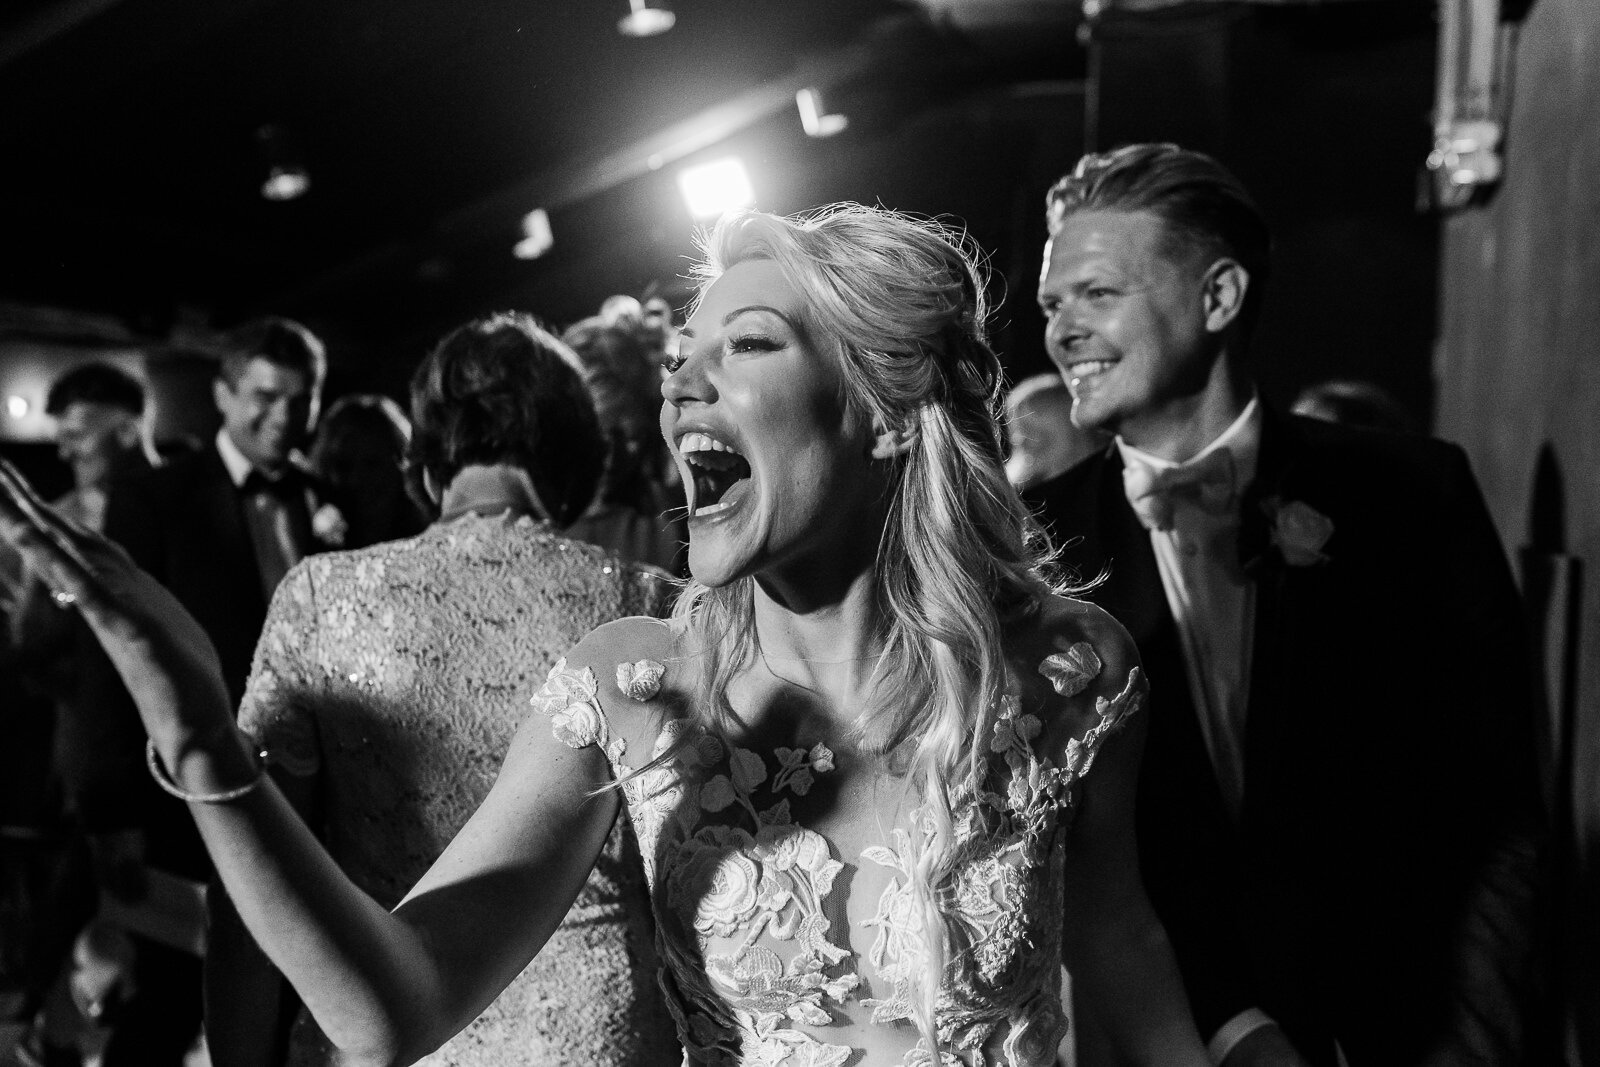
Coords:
736,312
688,332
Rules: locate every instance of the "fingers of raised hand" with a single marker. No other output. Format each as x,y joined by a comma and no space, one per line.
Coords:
57,550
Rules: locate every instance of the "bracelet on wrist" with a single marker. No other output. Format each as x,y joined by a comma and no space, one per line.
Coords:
152,759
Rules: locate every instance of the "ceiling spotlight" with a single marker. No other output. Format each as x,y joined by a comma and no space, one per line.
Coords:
287,177
17,406
646,18
536,235
286,183
714,188
814,117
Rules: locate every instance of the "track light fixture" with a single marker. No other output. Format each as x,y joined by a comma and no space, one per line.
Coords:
646,18
814,116
287,177
537,237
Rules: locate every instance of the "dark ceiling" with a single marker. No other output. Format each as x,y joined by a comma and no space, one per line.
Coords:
130,167
133,168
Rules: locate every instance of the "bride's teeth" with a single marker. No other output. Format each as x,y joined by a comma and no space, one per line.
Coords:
701,442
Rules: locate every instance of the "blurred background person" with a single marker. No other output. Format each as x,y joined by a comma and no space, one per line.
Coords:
1354,403
359,453
1044,442
623,350
100,433
390,680
76,803
219,528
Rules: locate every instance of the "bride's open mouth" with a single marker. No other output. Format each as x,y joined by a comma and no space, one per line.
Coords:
719,475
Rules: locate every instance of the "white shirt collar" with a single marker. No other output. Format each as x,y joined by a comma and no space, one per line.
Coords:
239,467
1242,438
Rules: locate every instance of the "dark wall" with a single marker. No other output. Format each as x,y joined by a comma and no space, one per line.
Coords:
1323,111
1519,386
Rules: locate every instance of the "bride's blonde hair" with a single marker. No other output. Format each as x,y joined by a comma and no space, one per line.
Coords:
902,301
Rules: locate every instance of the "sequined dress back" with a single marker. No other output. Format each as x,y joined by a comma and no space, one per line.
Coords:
398,675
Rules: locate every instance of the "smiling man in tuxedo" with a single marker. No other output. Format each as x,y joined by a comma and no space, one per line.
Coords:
220,528
1338,817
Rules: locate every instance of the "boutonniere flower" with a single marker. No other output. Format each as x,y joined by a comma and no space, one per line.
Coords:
329,527
1299,531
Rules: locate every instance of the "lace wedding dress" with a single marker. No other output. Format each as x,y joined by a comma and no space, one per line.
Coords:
398,675
772,934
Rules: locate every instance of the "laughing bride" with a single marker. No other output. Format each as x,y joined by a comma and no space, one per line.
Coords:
880,769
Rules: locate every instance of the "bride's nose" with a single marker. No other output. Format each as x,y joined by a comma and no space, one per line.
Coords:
688,382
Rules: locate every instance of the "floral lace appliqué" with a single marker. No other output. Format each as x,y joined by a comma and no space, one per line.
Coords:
1072,671
1005,962
741,890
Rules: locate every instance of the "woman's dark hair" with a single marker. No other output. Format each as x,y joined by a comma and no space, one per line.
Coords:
622,354
96,383
355,427
503,389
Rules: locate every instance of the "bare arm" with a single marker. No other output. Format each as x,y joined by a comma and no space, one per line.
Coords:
385,988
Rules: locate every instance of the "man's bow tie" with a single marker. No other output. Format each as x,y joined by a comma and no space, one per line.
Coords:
1208,483
281,487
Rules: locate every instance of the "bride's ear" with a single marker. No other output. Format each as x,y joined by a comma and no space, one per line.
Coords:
890,442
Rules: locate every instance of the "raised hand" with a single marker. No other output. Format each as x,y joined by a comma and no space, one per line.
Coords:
162,654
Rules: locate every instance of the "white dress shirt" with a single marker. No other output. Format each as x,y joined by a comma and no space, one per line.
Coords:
272,537
1212,601
1213,604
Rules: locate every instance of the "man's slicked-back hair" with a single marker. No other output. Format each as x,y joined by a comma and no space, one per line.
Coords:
1206,209
95,383
282,342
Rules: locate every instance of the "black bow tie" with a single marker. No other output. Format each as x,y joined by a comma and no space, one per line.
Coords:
282,487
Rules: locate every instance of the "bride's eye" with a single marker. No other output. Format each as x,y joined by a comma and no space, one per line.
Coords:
674,356
754,342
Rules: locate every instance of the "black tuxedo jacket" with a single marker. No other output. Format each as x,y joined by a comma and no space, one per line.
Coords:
185,523
1389,778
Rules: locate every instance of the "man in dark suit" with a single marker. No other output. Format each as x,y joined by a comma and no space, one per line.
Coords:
221,527
1338,819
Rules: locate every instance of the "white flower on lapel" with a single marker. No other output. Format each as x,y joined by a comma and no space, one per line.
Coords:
329,527
1299,531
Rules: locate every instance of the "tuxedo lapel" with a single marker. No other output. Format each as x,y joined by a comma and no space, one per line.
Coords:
1269,711
1133,592
1181,775
222,502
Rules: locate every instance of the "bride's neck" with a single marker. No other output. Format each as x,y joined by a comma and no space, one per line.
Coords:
832,649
